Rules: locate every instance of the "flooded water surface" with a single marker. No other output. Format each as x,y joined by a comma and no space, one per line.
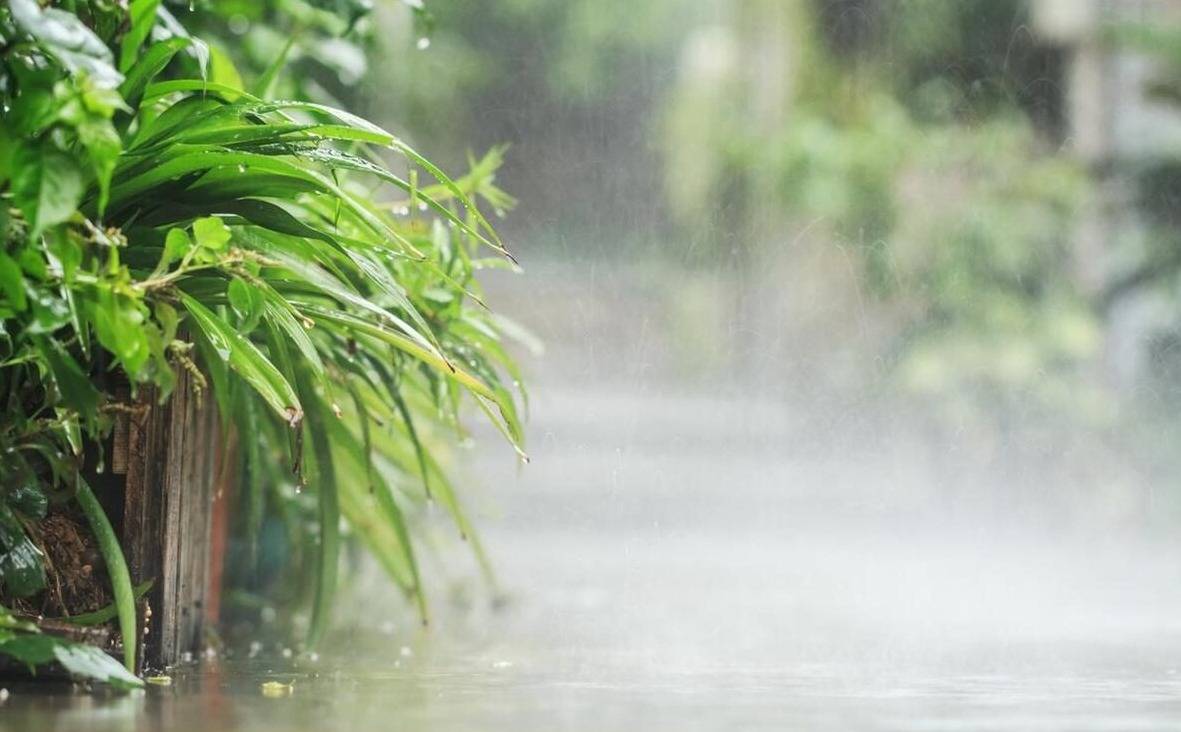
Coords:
708,579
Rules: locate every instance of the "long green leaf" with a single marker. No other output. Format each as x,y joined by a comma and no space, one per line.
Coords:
326,487
142,16
246,360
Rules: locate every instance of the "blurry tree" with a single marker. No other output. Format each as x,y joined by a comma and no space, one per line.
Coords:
919,140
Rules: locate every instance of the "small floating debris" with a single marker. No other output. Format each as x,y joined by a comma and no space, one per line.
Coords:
158,680
277,689
406,652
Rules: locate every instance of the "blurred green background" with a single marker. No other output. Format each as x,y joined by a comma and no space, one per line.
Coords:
941,227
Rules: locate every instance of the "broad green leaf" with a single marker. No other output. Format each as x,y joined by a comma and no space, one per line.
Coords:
211,233
66,38
94,663
12,283
31,649
29,499
247,301
119,323
103,146
36,649
176,245
47,186
35,109
21,572
76,390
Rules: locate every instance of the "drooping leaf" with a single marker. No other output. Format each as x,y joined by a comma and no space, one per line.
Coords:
76,388
94,663
324,481
244,358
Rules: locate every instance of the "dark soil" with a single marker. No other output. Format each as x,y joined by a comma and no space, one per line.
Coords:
75,574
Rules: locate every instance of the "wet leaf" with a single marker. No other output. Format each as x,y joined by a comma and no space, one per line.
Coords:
12,283
246,360
47,186
141,17
94,663
247,303
21,573
62,35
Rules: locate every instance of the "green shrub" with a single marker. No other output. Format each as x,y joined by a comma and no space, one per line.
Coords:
158,216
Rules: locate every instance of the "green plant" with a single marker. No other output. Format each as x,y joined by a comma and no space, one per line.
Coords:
24,642
157,216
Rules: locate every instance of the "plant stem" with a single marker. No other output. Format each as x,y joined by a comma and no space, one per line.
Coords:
108,546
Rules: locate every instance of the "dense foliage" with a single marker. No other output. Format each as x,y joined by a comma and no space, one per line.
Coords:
162,214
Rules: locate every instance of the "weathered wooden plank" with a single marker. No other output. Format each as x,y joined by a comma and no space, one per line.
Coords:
143,531
168,517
